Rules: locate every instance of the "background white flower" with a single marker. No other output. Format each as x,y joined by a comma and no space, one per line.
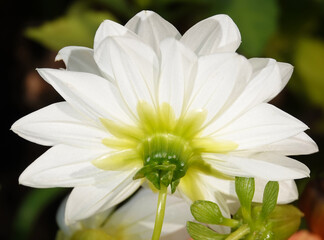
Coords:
133,220
201,92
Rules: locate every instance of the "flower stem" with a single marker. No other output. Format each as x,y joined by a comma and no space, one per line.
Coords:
160,213
239,233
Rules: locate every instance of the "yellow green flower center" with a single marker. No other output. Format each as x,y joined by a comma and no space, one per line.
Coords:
161,145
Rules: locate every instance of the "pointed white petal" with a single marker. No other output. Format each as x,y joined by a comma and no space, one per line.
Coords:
286,71
287,191
85,201
297,145
268,79
264,165
152,28
219,79
106,30
215,34
79,59
59,123
269,75
178,70
64,166
93,95
110,28
263,124
134,68
135,219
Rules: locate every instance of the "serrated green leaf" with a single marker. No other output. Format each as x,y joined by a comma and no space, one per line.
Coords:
270,196
257,21
76,28
309,62
206,212
200,232
209,212
245,188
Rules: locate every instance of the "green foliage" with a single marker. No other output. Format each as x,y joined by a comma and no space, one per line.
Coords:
32,206
209,212
76,28
200,232
244,188
257,21
270,196
309,60
252,221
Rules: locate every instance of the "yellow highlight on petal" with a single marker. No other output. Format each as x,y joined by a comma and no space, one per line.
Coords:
209,145
188,126
191,185
119,160
120,130
119,143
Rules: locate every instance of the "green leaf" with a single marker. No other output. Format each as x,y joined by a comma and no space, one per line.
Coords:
76,28
244,188
209,212
31,208
309,62
200,232
257,21
270,196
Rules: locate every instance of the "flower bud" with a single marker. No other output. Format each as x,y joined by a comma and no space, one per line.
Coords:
284,220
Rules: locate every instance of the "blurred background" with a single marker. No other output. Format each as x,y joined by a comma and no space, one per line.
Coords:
33,31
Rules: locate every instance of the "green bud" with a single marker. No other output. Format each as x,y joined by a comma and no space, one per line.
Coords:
90,234
285,220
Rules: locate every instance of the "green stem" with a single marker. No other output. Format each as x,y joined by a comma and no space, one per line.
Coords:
239,233
160,213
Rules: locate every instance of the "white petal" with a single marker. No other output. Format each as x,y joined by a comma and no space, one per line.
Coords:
79,59
269,75
94,96
134,68
59,123
135,219
263,124
287,191
215,34
178,70
268,79
297,145
286,71
110,28
265,166
152,28
106,30
219,79
64,166
85,201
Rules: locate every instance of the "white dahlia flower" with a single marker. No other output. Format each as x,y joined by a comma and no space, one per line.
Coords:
149,105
